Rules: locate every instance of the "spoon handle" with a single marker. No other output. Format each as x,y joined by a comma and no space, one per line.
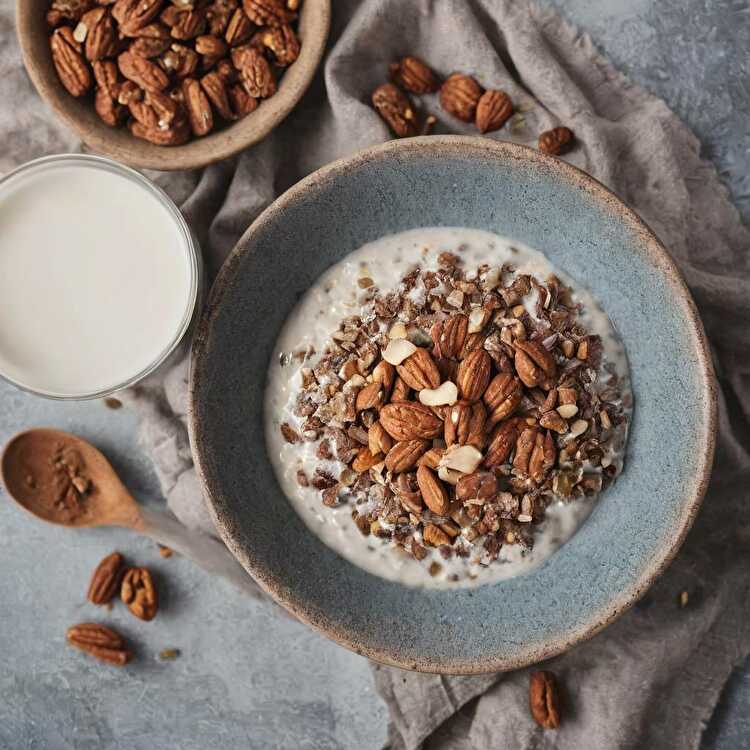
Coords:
204,550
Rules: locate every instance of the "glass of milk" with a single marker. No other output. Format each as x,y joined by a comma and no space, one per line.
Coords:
99,277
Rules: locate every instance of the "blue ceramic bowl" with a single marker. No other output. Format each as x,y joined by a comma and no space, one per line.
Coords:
638,524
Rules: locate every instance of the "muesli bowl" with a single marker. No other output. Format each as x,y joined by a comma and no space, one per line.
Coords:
636,526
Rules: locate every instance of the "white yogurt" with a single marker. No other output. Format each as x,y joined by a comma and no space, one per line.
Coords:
97,277
336,295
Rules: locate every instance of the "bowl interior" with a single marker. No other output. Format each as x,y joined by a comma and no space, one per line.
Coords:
119,144
514,191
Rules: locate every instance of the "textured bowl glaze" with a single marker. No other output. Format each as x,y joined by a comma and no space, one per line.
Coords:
119,144
638,525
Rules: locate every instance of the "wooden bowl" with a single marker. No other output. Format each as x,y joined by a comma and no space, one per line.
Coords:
119,144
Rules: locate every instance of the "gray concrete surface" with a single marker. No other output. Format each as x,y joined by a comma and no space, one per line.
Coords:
245,677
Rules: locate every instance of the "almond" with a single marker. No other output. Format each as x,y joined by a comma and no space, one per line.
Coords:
405,454
434,494
419,370
474,375
398,350
408,420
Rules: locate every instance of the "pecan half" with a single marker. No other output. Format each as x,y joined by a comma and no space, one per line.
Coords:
239,29
70,10
524,447
176,135
370,397
534,364
101,36
105,579
503,396
267,12
139,594
543,700
419,370
501,445
433,491
412,74
109,110
107,77
242,103
216,90
133,15
100,642
395,108
407,490
459,96
198,107
405,454
493,109
543,457
211,48
464,424
188,23
407,420
401,391
365,460
378,440
452,336
152,41
142,72
69,63
283,42
556,141
385,374
434,536
255,73
474,375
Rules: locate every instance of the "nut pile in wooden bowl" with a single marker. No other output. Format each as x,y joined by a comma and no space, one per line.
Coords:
170,71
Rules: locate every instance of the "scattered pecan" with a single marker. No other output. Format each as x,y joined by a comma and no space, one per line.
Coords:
105,579
556,141
139,594
412,74
395,108
100,642
459,96
543,700
493,109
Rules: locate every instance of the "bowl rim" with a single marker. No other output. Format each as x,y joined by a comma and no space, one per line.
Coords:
199,152
472,147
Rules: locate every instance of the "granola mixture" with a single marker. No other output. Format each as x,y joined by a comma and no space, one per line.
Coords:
454,410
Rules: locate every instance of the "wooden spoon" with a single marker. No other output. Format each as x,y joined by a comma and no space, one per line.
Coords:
63,479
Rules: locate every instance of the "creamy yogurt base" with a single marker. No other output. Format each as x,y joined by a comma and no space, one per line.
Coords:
334,296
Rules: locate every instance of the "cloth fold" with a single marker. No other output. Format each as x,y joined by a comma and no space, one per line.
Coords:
652,678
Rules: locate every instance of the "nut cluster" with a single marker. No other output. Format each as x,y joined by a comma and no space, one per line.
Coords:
170,70
460,95
459,414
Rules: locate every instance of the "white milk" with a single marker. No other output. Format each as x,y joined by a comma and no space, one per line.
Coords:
96,278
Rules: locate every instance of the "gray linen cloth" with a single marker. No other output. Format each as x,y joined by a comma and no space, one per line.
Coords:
652,679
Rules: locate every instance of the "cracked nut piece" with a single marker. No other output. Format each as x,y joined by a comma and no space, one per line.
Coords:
464,424
100,642
398,350
407,420
385,374
481,485
419,370
395,108
139,594
283,43
474,375
493,109
365,460
433,491
71,68
198,107
462,458
412,74
378,440
543,457
370,397
267,12
434,536
105,580
133,15
242,103
218,14
503,396
556,141
405,454
180,60
444,395
543,700
459,96
142,72
211,48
